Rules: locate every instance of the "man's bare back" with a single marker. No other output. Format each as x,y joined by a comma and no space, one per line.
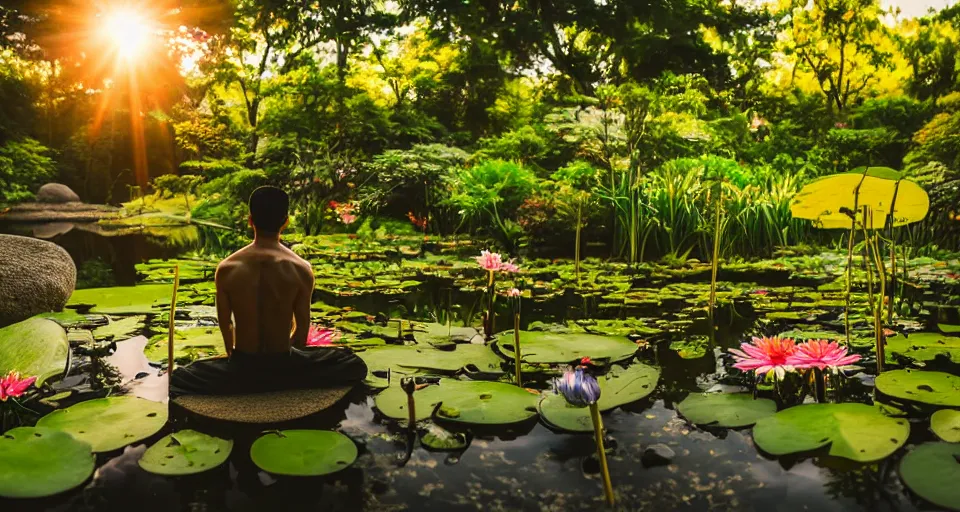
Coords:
264,288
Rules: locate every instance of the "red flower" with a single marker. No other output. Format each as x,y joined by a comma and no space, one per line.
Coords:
12,386
821,354
765,355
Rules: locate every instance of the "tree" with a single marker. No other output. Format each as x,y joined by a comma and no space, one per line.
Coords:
842,44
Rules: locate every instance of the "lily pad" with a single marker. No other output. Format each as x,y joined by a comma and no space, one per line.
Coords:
185,453
552,348
693,348
620,386
121,328
123,300
932,471
823,200
853,431
431,359
34,347
477,402
40,462
727,410
934,388
188,345
440,439
303,452
109,423
440,335
945,424
485,403
924,346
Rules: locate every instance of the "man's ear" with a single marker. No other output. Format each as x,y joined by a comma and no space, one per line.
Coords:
250,220
285,223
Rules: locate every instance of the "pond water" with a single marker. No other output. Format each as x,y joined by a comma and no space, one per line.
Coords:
530,466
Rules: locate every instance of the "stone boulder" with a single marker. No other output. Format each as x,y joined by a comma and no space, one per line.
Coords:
57,193
35,277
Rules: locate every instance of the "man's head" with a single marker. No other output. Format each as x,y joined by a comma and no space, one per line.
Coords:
268,210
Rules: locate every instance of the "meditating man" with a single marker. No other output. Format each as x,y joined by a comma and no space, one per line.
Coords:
263,306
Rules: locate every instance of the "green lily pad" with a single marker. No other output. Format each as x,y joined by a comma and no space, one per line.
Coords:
924,346
431,359
932,471
478,402
727,410
945,423
551,348
188,345
186,453
853,431
934,388
40,462
693,348
119,329
34,347
109,423
485,403
440,439
440,335
123,300
620,386
823,199
949,329
303,452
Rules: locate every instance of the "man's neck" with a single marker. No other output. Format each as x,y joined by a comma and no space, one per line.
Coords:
265,240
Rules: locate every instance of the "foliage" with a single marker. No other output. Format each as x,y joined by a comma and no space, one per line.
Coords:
25,165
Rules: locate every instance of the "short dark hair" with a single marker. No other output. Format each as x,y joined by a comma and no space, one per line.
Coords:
268,209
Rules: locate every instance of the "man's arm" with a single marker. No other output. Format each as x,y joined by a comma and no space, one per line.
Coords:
301,308
224,311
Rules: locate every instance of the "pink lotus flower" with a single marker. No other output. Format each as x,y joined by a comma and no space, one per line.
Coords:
765,355
490,261
821,354
348,218
761,292
510,266
12,386
513,292
321,337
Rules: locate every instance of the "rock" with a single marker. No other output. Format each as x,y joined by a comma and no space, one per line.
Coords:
657,455
35,277
56,193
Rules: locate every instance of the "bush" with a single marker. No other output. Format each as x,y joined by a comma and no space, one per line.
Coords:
25,165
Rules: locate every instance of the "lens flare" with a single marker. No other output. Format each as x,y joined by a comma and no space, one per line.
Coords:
128,32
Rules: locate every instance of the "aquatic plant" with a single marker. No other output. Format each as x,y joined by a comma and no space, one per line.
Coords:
818,355
320,336
514,294
581,389
493,262
765,356
345,212
14,385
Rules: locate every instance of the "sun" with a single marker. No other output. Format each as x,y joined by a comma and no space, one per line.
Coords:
129,33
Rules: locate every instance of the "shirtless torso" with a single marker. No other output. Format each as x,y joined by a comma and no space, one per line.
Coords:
263,290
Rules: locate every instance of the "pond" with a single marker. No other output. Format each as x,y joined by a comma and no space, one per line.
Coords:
406,291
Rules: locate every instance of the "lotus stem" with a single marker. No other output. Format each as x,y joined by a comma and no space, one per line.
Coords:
173,313
576,252
893,252
878,313
716,251
602,454
846,309
820,385
409,386
516,347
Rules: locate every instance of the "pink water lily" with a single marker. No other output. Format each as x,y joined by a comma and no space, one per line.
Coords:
513,292
821,354
320,336
509,266
490,261
13,386
765,355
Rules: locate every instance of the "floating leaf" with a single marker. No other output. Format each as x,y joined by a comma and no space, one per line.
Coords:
431,359
40,462
824,200
945,424
34,347
934,388
303,452
485,403
932,470
440,439
854,431
552,348
693,348
440,335
729,410
123,300
185,453
618,387
109,423
924,346
121,328
188,344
